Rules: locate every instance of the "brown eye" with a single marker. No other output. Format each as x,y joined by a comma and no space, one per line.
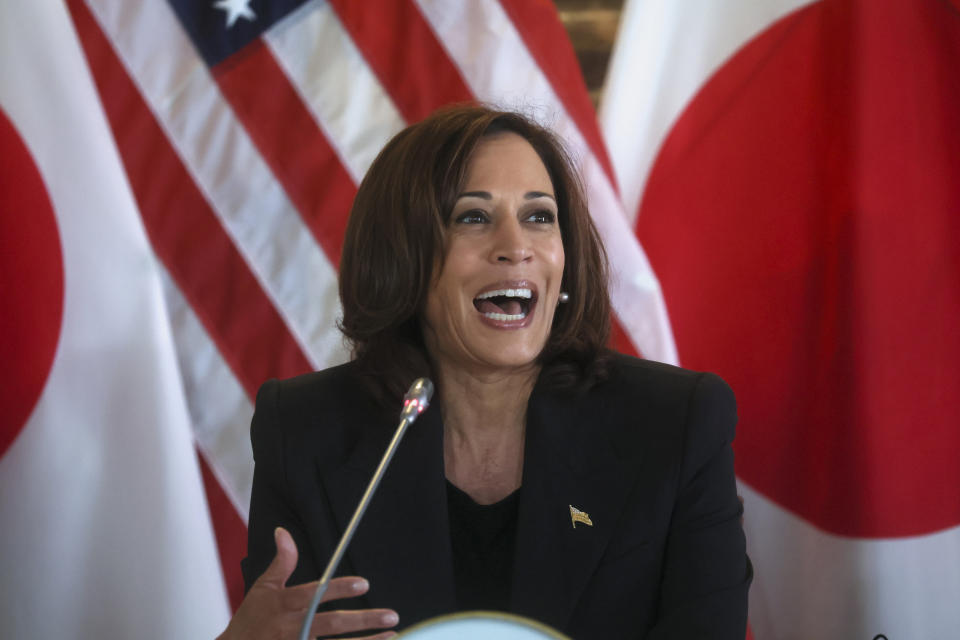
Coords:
474,216
543,216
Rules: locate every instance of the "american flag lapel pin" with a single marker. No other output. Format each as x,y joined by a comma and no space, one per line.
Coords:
579,516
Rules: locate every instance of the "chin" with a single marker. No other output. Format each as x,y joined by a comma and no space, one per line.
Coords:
512,358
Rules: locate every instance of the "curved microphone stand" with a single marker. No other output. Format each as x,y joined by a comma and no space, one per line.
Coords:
415,402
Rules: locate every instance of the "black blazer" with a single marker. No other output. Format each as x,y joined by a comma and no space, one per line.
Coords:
645,454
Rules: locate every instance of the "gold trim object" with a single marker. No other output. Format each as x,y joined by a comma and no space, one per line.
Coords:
520,623
579,516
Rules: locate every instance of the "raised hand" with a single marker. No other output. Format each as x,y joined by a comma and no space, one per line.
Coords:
274,611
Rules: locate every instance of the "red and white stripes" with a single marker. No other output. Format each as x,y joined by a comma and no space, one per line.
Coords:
244,173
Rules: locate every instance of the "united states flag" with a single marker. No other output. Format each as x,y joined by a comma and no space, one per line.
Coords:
235,133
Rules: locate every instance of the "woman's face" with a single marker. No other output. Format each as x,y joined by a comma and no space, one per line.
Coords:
491,305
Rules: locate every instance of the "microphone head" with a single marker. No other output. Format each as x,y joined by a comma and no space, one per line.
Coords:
417,399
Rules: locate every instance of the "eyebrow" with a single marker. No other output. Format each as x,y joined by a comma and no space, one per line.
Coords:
486,195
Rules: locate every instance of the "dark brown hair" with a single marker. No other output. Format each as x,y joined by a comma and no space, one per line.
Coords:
394,245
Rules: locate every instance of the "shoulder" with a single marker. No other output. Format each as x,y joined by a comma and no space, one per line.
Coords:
631,368
328,408
338,390
311,388
660,387
682,409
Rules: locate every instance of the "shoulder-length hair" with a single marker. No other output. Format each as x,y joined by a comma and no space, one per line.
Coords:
394,246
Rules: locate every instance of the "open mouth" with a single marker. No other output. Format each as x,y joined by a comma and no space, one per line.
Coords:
505,305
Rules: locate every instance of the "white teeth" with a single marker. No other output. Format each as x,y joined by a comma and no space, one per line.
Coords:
509,293
505,317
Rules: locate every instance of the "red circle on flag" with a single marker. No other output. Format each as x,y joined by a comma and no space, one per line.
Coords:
802,217
31,284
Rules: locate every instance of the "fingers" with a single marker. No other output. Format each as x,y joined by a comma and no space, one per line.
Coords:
283,563
347,587
270,609
298,598
340,622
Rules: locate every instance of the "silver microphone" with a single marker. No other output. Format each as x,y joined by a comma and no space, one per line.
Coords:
415,402
417,399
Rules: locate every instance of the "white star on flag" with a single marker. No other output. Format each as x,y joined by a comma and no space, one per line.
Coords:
235,9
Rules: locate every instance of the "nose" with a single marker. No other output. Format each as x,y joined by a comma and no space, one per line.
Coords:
511,244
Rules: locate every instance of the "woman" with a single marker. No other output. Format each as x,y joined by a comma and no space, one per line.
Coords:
551,478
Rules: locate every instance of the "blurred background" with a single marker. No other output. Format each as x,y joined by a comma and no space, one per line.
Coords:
592,27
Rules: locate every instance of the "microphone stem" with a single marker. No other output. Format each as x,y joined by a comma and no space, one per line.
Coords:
354,521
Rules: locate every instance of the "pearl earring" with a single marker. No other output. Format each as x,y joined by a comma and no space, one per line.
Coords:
564,297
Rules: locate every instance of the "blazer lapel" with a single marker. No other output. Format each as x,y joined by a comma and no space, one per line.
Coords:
402,545
566,464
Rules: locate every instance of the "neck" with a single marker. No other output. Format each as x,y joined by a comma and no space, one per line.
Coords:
484,423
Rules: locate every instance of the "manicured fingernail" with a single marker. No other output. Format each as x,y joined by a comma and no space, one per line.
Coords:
390,619
360,585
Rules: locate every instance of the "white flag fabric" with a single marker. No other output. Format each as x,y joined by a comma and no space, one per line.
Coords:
105,532
791,169
243,129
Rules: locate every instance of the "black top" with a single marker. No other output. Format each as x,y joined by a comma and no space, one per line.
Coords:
482,537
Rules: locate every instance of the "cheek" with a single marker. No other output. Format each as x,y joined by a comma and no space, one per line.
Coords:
433,311
558,259
443,307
